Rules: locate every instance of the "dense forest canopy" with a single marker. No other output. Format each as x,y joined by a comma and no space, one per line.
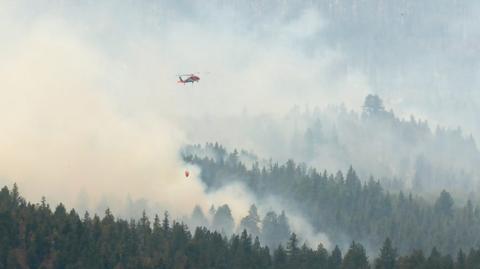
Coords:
345,207
35,236
335,124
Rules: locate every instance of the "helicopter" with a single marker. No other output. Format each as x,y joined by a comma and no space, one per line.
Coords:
188,78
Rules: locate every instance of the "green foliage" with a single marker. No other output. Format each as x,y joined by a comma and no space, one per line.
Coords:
444,204
275,229
356,258
373,105
198,218
32,236
335,260
223,220
388,256
251,222
342,204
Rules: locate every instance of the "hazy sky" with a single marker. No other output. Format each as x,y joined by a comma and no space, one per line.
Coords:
420,56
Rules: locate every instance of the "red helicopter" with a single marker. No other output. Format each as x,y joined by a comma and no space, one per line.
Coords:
188,78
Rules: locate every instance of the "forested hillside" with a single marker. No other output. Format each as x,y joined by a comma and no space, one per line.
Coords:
34,236
407,154
244,134
345,207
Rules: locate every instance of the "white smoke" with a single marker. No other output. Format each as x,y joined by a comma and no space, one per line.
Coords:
237,196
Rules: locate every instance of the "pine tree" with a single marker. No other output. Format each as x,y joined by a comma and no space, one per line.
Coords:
293,251
269,230
435,260
165,223
251,222
356,258
373,105
198,219
335,259
280,258
223,220
388,256
292,245
444,204
283,228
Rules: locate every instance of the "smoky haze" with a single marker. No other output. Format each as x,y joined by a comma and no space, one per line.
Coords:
91,112
90,104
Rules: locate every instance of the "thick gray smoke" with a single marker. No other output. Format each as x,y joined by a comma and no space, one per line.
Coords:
90,109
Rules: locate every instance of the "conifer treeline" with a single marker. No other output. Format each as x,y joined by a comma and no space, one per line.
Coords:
273,229
342,204
32,236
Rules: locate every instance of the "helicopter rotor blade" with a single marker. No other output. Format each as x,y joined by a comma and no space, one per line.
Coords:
195,73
